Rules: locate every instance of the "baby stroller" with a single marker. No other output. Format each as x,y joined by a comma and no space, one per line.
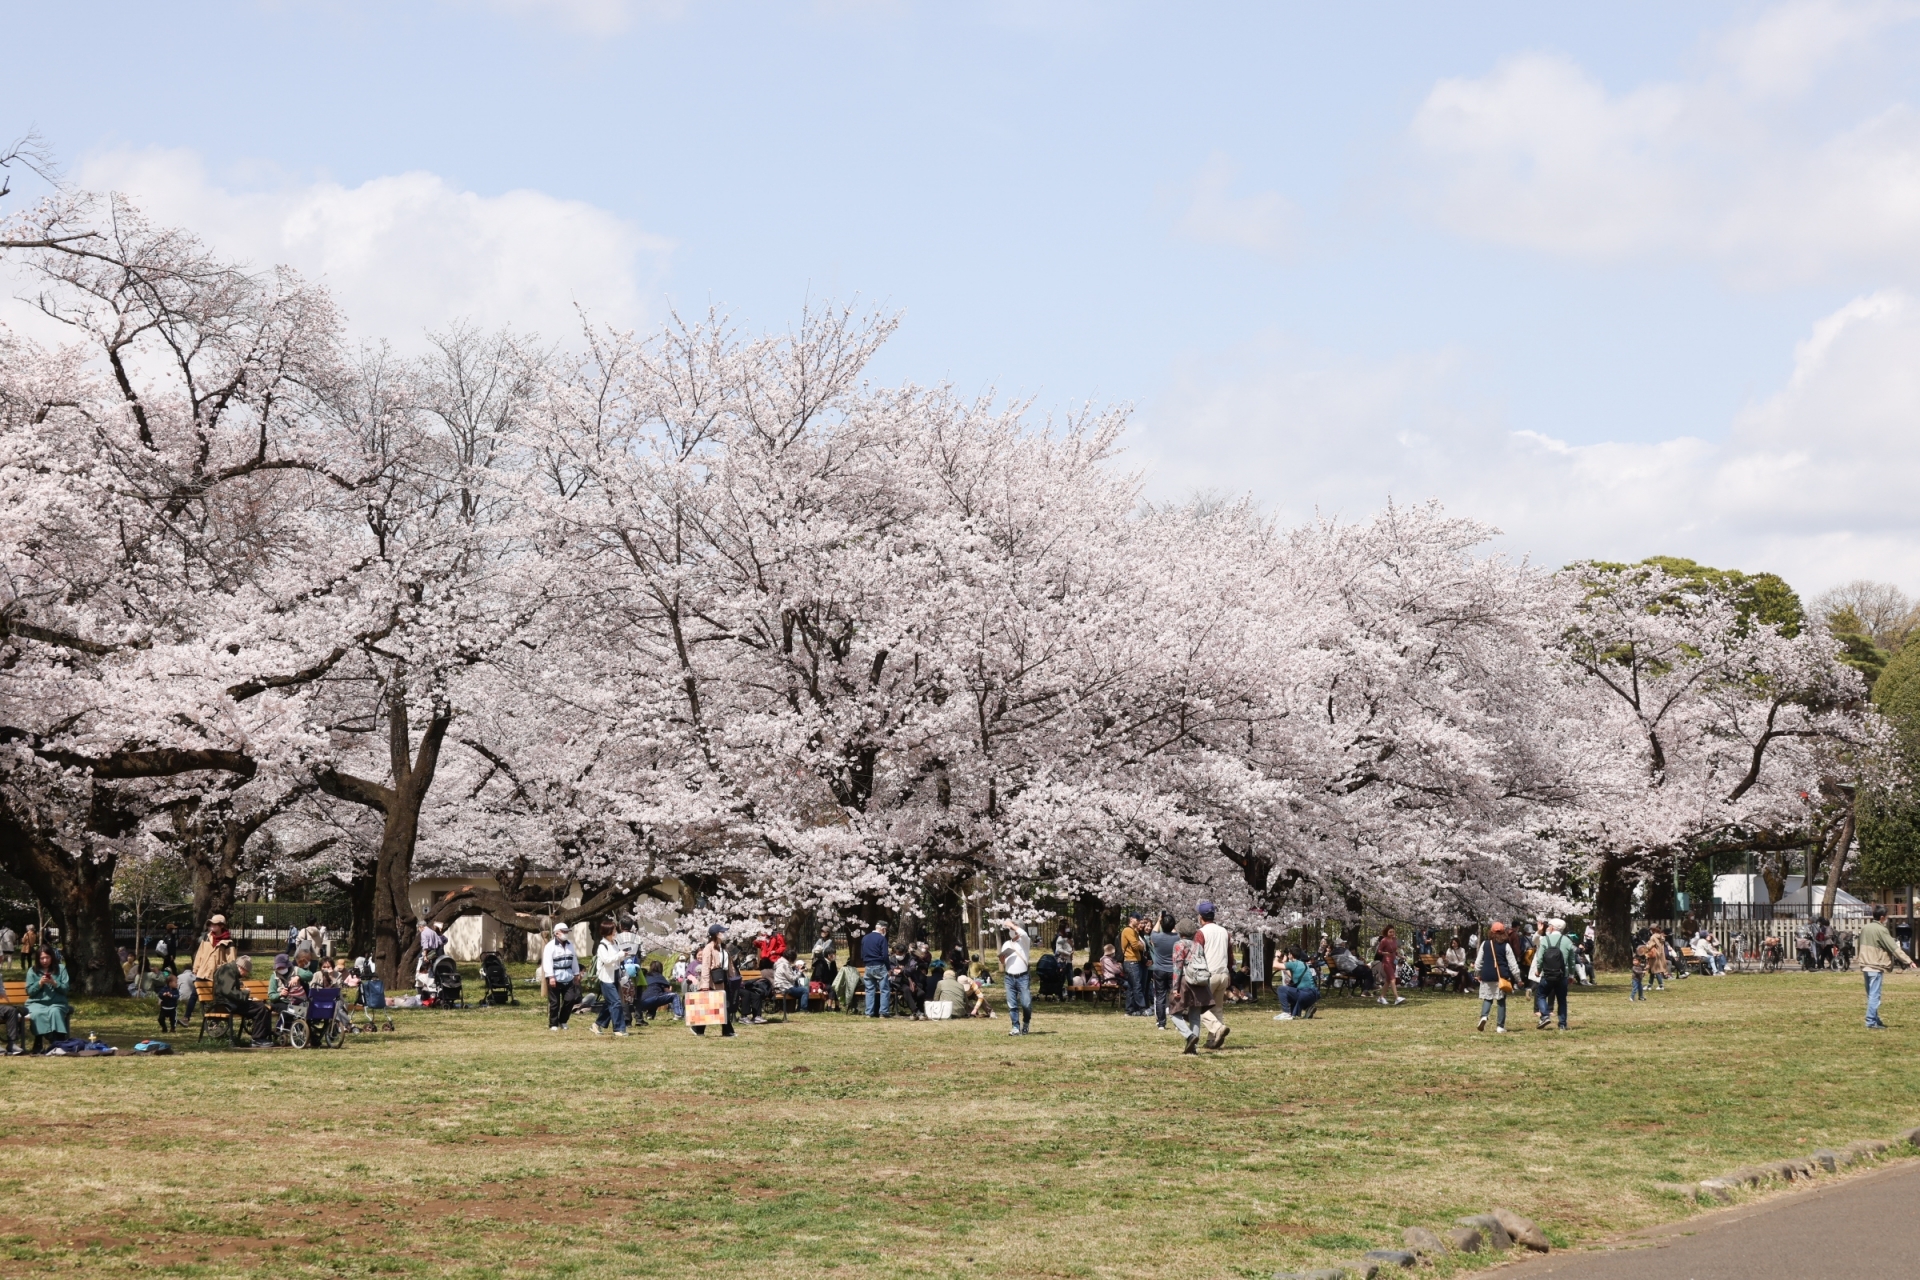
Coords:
499,987
446,983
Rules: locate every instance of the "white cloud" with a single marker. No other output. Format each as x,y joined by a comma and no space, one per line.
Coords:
591,17
1816,482
1786,48
1539,153
408,253
1263,222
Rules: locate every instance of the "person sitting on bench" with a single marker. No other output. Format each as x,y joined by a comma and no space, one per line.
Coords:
1352,967
47,997
230,997
789,979
15,1018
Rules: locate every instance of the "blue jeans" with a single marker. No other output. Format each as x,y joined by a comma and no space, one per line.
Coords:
879,992
1873,977
612,1008
800,991
1136,986
1488,1006
1639,982
1020,1000
1299,1001
1553,996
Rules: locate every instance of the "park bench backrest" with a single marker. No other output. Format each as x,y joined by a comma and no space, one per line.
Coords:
16,993
256,989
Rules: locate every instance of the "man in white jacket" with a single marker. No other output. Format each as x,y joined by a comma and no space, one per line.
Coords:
1219,968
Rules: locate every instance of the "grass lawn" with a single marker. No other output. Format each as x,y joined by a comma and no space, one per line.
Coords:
477,1144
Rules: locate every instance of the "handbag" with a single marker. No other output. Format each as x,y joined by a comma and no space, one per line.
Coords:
1506,985
706,1008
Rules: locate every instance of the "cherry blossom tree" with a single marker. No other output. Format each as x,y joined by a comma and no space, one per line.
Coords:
1719,726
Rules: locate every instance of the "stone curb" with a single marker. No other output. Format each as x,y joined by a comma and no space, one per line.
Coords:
1826,1160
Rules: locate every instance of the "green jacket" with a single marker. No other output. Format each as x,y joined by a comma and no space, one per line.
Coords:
1878,950
229,988
1552,940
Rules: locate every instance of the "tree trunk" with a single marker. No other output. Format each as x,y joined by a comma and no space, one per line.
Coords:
1613,914
1837,864
213,870
360,910
396,940
78,893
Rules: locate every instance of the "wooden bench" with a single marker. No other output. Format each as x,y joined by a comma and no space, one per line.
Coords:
203,992
16,993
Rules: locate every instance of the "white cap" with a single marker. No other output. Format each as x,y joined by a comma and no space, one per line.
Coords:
561,927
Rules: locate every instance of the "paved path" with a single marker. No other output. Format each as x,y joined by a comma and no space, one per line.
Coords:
1862,1226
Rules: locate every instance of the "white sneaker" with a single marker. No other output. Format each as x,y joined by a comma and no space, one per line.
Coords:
1399,999
596,1028
621,1034
1383,999
1014,1032
1283,1017
1500,1030
1482,1026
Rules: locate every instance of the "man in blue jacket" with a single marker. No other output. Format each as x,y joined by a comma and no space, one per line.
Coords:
875,959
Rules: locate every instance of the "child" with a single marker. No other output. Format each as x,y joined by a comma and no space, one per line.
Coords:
169,1005
1639,974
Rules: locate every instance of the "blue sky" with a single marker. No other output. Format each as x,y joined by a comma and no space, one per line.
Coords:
1564,270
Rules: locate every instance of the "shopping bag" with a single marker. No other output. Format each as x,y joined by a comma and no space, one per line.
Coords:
706,1008
939,1010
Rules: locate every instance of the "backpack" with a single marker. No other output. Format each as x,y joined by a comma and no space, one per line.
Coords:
1195,971
1553,965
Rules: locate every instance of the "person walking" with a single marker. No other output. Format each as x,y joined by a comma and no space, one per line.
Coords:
1499,972
1014,971
1553,961
560,974
1160,947
1388,951
1657,961
1639,991
1133,960
609,958
1218,943
877,963
1192,1002
1877,953
716,973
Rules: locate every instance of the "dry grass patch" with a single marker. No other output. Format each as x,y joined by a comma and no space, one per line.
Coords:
477,1144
